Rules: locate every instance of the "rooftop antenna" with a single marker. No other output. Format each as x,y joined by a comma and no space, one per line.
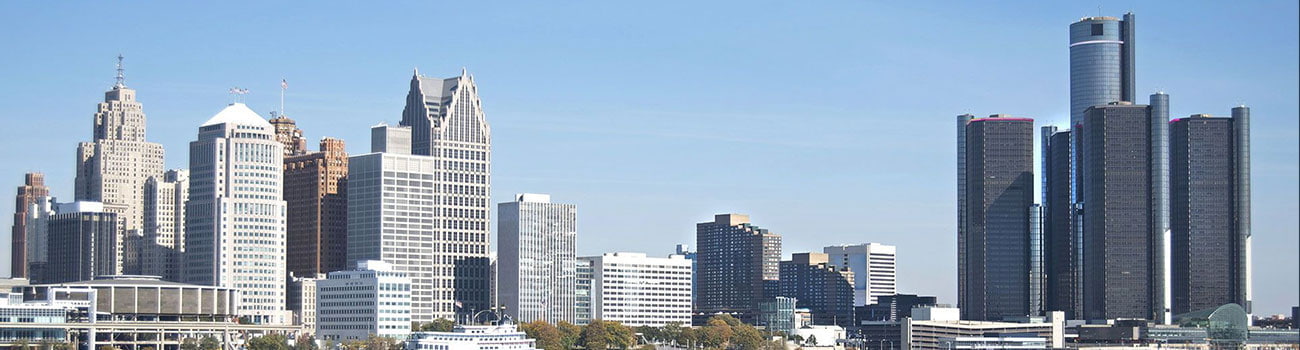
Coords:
121,78
284,85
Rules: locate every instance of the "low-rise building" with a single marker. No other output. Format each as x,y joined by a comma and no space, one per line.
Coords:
466,337
302,301
940,328
636,290
372,299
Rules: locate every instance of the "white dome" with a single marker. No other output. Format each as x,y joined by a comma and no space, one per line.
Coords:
237,113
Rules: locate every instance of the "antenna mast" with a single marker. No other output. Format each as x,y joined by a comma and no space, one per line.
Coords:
121,78
284,85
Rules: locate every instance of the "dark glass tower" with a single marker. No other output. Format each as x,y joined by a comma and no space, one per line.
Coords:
1210,233
996,255
1058,240
1124,242
962,120
1101,63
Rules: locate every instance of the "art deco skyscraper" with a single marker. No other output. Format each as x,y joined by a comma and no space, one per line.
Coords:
999,176
315,190
235,217
738,267
538,257
113,168
30,193
1210,211
288,133
448,124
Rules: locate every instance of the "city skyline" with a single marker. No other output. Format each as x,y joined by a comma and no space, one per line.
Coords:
605,131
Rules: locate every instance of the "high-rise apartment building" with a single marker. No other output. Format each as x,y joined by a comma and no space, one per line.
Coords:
636,290
372,300
1125,219
538,256
235,216
447,123
83,243
874,267
30,193
288,134
738,267
819,286
315,192
114,166
163,243
1060,244
999,173
1210,211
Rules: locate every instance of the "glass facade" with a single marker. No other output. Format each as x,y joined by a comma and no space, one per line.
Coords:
999,192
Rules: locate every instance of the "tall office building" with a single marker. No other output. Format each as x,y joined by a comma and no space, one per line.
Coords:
396,214
1059,241
962,120
112,169
235,217
448,124
538,257
315,192
164,225
1210,211
83,242
1124,235
29,194
636,290
738,265
1101,63
999,162
874,267
582,287
38,238
819,286
288,134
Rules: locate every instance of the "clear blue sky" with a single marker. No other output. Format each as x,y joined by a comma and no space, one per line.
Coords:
829,122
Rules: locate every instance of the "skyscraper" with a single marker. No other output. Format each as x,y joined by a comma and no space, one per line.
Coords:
738,265
315,192
874,269
114,166
962,120
38,238
235,217
1124,245
1210,213
83,241
1059,241
1101,63
29,194
538,257
636,290
288,134
164,225
823,288
995,278
448,124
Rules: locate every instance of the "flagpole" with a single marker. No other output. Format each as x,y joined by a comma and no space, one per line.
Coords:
283,86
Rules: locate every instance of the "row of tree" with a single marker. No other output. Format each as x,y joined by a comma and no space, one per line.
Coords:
722,332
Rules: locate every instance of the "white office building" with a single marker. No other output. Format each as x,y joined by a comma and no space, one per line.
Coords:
874,268
465,337
372,299
164,225
235,222
637,290
538,257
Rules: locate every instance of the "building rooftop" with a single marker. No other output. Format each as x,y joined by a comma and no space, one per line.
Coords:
237,113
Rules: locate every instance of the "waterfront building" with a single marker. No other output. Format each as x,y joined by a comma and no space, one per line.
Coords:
373,299
738,267
538,257
637,290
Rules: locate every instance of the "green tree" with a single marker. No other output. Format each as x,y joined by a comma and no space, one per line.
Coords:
269,342
595,336
619,336
438,325
569,334
209,343
190,344
305,342
747,337
688,337
671,332
546,334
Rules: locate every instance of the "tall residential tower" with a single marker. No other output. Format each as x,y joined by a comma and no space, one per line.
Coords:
737,265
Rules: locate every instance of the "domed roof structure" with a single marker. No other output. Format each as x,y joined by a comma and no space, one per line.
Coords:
237,113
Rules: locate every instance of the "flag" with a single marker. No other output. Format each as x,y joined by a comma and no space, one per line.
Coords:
284,84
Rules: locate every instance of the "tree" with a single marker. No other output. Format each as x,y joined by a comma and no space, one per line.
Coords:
189,344
438,325
671,332
569,334
595,336
269,342
717,334
209,343
546,334
747,337
619,336
688,337
305,342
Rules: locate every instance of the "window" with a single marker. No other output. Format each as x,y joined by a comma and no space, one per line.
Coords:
1096,29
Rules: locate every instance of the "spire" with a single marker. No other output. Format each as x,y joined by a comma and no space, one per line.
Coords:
121,78
417,71
463,71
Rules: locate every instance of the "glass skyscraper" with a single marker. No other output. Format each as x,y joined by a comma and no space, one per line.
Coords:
995,279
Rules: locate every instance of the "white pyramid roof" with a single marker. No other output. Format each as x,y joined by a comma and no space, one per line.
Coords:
237,113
